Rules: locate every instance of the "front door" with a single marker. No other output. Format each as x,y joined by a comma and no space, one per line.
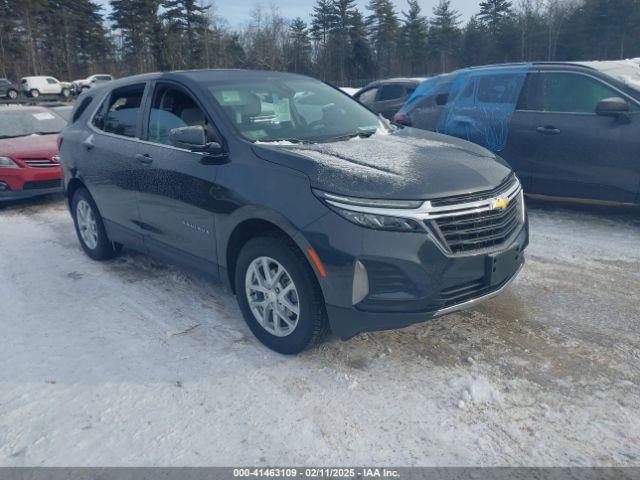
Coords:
176,192
580,154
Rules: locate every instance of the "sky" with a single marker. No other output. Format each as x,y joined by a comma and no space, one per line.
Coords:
236,12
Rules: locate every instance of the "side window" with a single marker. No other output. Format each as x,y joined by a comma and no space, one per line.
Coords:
368,96
574,93
51,81
391,92
80,109
119,112
172,108
499,88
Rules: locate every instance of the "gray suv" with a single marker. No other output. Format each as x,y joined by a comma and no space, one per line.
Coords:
316,213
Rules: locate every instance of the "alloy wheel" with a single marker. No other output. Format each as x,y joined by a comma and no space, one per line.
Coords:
87,224
272,296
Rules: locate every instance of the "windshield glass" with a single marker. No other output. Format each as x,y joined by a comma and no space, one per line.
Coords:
19,123
296,110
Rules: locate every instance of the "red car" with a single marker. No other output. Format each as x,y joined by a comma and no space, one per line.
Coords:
29,162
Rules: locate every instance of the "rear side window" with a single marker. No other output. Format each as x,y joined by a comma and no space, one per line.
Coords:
80,109
51,81
391,92
499,88
120,112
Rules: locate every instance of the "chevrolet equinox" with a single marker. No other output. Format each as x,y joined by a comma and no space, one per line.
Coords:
314,211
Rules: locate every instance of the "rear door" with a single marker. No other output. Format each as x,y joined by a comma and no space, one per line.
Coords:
108,162
176,191
579,154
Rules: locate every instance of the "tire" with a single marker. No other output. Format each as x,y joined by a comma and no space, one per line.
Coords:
12,94
103,248
65,93
34,93
311,321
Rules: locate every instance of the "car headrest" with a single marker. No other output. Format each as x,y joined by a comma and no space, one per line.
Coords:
252,106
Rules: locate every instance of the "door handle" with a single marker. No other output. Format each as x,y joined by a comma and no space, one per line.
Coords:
144,158
548,130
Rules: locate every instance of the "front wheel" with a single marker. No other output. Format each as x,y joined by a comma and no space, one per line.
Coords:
66,93
279,296
90,228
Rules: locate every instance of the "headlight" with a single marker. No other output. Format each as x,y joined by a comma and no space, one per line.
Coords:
369,212
6,162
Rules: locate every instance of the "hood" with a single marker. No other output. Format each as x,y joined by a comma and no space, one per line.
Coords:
408,164
31,145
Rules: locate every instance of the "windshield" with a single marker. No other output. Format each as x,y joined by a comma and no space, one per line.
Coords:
295,110
19,123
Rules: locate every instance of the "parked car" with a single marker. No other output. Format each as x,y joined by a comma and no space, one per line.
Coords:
570,130
81,85
386,97
29,163
314,211
8,89
36,86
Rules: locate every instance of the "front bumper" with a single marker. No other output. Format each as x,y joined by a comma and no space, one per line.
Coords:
29,182
411,279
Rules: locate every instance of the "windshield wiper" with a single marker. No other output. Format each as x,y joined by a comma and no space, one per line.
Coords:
347,136
291,140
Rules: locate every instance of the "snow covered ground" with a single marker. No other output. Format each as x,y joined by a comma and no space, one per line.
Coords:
132,362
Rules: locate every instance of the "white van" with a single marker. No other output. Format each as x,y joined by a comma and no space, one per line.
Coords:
36,86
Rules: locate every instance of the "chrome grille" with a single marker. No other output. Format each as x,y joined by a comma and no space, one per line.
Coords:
480,224
40,162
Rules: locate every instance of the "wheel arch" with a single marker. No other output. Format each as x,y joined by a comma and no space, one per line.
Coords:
72,187
251,228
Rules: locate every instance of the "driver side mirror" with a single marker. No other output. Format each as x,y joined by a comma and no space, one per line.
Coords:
195,139
612,107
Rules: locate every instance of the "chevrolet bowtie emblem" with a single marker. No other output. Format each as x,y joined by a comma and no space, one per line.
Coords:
501,204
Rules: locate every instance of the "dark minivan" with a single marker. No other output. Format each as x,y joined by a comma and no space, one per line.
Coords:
571,131
315,212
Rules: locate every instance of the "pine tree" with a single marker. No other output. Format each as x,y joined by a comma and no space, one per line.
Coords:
321,24
138,22
361,64
299,48
414,32
186,23
444,33
383,31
